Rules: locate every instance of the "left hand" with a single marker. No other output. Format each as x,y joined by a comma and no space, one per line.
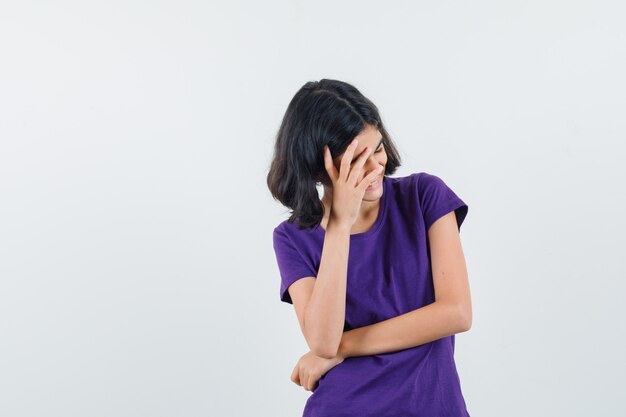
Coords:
310,368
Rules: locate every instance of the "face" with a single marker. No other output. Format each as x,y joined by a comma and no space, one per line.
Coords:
372,138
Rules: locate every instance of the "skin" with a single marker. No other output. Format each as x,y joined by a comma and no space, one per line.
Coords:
320,302
369,138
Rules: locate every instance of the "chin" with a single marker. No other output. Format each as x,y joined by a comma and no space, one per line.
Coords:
373,195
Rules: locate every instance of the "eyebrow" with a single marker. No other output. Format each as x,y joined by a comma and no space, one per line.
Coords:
381,141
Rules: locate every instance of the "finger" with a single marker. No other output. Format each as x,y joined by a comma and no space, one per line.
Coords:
330,166
315,384
308,382
355,172
302,380
312,381
295,377
346,160
365,182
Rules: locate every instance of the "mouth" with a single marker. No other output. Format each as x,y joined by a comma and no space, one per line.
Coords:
375,184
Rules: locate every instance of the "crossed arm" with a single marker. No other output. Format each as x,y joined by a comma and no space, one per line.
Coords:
450,313
428,323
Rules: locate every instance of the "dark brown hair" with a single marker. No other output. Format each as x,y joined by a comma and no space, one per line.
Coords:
325,112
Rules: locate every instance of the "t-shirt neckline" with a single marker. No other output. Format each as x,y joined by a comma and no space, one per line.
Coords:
382,211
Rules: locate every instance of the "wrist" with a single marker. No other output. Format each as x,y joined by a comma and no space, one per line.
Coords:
338,228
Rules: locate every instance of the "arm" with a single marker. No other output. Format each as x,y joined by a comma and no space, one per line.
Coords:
321,306
324,313
450,313
414,328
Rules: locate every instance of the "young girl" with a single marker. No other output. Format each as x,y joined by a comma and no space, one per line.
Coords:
375,269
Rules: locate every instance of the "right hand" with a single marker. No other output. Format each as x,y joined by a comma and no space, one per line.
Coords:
347,192
311,368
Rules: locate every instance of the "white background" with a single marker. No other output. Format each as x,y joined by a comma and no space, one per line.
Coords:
137,275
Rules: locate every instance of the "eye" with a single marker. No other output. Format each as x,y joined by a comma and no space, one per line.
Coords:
379,150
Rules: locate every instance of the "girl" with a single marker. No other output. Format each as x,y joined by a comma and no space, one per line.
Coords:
374,269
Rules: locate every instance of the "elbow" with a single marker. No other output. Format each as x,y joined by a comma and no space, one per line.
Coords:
323,348
464,318
324,351
320,346
321,343
326,354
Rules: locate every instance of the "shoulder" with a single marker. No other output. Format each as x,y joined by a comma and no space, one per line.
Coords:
291,232
425,179
427,183
402,184
280,228
283,231
412,184
422,188
287,227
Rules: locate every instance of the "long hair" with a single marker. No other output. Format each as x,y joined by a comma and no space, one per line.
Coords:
326,112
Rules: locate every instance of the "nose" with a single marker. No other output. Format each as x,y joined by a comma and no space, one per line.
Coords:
370,164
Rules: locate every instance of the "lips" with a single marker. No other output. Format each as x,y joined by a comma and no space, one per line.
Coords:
374,184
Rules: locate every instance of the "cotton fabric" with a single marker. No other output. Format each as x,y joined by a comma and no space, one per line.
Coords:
389,274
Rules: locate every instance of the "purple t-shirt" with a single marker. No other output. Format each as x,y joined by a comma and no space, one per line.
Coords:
389,274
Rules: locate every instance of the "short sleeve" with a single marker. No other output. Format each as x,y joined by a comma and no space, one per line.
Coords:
437,199
291,264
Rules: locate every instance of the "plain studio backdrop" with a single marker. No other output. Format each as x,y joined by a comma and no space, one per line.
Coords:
137,274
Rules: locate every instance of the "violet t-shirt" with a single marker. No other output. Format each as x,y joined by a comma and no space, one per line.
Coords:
389,274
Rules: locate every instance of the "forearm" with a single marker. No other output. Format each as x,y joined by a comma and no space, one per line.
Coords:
325,312
423,325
